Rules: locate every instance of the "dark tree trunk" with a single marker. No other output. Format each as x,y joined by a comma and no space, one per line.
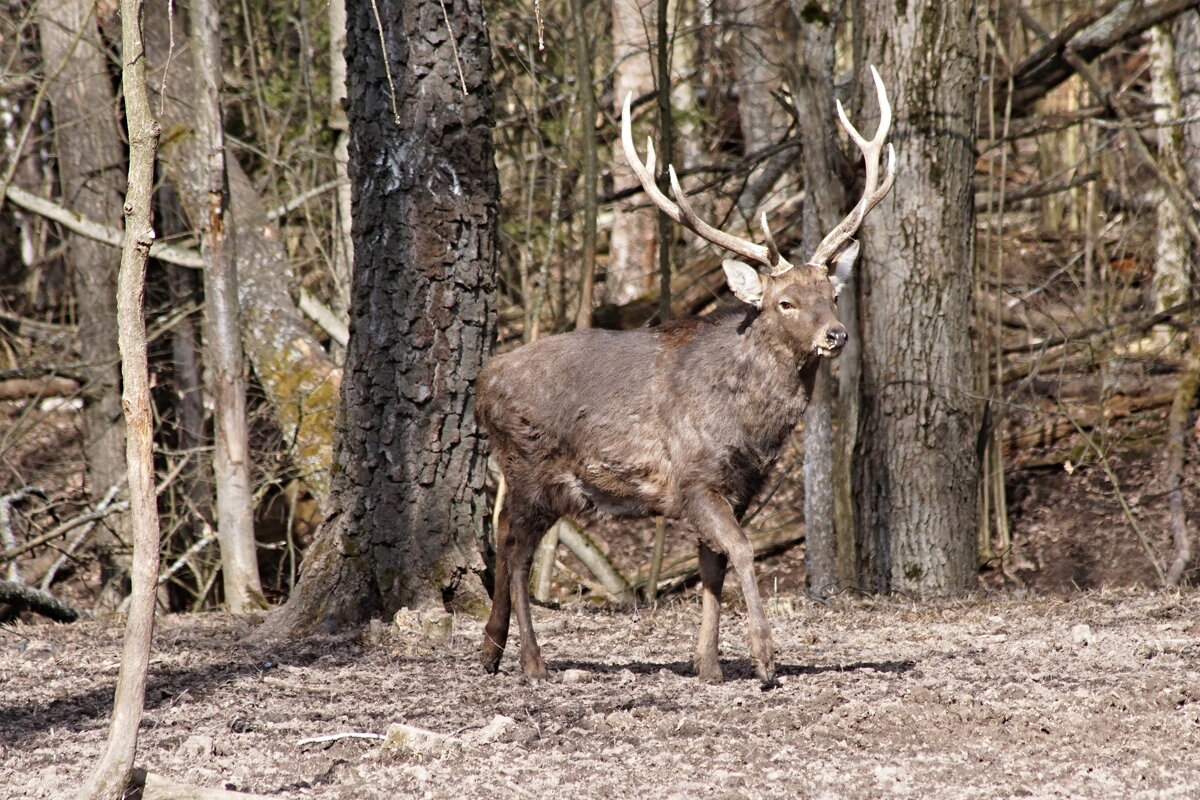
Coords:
91,168
916,468
409,461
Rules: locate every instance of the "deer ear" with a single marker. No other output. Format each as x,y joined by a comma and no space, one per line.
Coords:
745,282
840,274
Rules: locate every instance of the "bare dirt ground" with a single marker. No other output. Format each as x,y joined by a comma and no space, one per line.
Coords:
1097,696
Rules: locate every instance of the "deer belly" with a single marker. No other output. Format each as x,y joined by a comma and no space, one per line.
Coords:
608,494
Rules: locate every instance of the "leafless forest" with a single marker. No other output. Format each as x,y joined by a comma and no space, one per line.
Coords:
1075,299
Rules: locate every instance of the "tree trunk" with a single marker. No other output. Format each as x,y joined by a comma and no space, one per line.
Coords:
585,79
115,766
1187,67
631,247
223,346
916,464
343,245
756,68
91,165
410,460
824,205
1170,283
299,378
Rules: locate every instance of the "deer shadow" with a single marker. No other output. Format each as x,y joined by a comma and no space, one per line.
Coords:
734,668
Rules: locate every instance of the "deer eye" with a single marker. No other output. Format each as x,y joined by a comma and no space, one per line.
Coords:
786,305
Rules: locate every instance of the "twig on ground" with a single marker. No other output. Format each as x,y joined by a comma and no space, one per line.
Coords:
333,737
681,570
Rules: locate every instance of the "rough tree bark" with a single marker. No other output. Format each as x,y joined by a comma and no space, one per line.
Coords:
916,465
410,462
91,166
223,346
115,766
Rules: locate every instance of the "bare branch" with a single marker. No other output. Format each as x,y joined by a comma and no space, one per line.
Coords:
1086,37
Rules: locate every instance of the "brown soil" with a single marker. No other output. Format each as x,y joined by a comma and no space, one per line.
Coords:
1092,697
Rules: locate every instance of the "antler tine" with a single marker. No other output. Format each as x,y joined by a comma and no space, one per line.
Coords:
873,190
683,212
643,173
778,264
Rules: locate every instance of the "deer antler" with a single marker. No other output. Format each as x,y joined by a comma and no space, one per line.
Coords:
684,214
873,190
769,256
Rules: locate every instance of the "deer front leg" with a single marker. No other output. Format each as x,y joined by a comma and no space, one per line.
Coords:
715,521
712,578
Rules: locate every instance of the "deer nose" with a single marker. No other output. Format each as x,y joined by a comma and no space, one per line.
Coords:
835,337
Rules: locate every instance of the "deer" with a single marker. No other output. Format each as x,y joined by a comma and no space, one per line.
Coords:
681,420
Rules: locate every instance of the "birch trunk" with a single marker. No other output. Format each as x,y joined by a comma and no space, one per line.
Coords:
299,378
631,250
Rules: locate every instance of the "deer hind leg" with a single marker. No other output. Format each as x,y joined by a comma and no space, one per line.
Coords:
716,523
712,578
495,632
521,529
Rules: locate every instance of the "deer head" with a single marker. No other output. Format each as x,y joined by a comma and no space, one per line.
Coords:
775,286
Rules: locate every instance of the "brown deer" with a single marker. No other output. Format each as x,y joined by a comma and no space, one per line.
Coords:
681,420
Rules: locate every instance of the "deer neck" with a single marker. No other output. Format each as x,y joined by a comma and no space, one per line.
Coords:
770,382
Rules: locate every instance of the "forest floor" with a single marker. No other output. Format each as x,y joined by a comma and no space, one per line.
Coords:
995,696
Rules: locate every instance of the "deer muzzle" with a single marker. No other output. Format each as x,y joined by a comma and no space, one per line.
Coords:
834,341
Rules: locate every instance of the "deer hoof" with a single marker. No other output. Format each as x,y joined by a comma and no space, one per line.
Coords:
534,668
766,675
709,670
490,656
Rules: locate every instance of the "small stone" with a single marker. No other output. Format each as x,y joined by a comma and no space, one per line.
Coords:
198,746
432,624
573,676
1081,635
411,739
500,729
37,650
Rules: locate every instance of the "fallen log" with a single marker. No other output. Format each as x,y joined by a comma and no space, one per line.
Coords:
1086,418
156,787
18,594
679,571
